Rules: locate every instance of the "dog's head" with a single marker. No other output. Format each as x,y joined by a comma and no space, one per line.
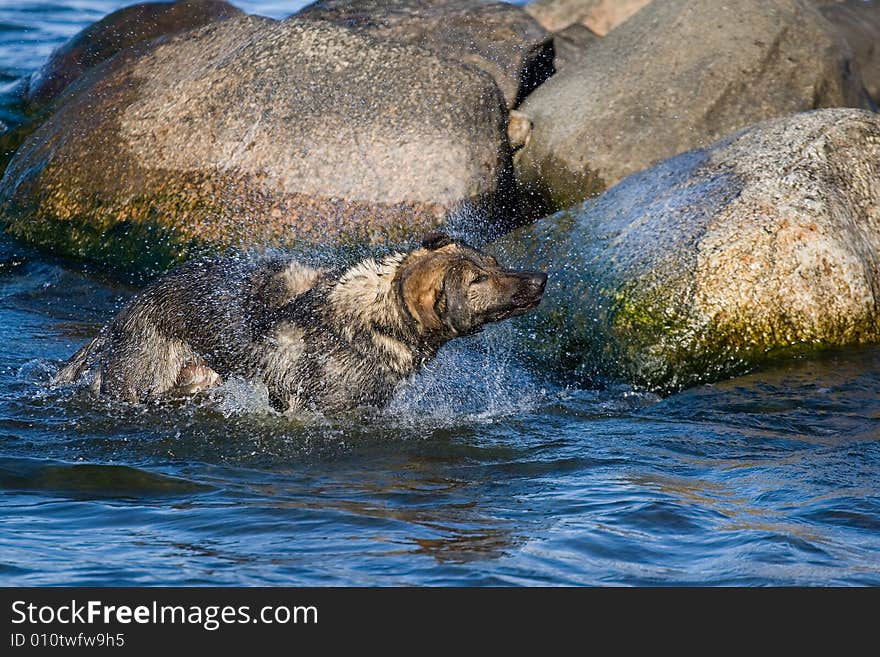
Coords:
452,289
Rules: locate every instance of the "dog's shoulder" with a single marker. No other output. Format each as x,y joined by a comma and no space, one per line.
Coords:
280,280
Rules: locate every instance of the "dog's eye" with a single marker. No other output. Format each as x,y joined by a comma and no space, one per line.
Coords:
482,278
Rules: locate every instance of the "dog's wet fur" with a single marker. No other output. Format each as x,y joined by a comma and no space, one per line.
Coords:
320,340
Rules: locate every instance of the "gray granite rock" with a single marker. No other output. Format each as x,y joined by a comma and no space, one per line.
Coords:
254,132
123,28
764,245
496,37
600,16
678,75
571,46
858,22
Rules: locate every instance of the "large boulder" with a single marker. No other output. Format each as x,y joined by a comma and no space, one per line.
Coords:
578,24
117,31
571,45
252,131
496,37
677,75
11,137
858,21
763,245
600,16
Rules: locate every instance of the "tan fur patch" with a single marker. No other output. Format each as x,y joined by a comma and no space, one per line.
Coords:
297,279
422,282
365,293
291,347
194,377
290,338
399,355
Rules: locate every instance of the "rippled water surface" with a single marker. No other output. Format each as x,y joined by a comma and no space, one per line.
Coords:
479,473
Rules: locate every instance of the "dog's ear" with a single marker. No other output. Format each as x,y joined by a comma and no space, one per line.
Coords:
420,284
436,240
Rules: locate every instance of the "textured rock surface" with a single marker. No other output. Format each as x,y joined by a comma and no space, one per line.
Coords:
121,29
763,245
601,16
678,75
858,21
571,45
251,131
496,37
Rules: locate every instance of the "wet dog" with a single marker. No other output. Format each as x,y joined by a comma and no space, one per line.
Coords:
319,340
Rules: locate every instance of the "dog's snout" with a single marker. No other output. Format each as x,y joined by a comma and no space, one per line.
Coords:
538,280
535,281
530,287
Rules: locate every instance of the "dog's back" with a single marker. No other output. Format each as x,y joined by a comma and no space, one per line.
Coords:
196,324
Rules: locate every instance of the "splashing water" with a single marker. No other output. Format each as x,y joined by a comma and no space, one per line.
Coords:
479,472
472,380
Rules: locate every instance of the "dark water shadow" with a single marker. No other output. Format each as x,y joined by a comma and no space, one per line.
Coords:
91,481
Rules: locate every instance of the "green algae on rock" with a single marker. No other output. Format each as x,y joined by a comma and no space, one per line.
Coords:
253,132
763,245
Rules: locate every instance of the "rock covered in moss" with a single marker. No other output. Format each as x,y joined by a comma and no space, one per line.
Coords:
253,132
678,75
765,244
496,37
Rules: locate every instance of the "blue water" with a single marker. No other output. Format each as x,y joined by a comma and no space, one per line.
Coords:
480,473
